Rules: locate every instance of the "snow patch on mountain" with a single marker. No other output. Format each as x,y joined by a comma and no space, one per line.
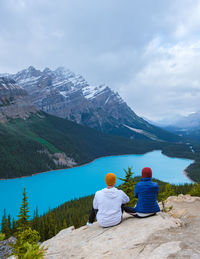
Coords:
8,84
92,91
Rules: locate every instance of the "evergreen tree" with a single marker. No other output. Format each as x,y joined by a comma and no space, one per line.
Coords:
169,191
3,226
26,246
129,186
6,225
9,227
14,226
50,226
34,223
64,223
195,191
7,230
23,215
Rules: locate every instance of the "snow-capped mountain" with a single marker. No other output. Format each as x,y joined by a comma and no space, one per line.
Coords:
14,101
64,94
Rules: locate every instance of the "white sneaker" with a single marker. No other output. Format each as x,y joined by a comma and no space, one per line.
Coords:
132,213
89,224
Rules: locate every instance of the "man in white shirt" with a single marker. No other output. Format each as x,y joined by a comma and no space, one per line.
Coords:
107,204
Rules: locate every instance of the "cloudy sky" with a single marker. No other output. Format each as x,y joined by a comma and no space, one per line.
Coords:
148,51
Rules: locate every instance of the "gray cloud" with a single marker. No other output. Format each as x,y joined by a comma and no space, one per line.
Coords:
146,50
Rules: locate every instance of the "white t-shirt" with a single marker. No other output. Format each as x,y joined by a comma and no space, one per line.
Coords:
108,202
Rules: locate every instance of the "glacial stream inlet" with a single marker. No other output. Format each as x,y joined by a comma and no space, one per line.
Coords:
48,190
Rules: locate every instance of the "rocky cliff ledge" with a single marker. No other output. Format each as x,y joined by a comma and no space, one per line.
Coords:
14,101
167,235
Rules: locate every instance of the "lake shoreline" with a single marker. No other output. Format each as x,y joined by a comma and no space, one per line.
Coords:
50,190
85,164
59,169
185,173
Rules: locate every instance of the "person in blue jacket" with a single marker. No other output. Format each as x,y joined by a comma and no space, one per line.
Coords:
146,191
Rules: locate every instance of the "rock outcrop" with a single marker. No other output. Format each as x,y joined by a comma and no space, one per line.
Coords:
172,235
5,248
14,101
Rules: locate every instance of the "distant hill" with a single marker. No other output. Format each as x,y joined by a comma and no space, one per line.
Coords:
187,127
190,122
64,94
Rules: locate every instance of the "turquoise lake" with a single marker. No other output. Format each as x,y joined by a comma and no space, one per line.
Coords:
48,190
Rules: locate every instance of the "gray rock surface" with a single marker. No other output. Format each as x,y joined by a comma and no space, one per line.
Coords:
5,248
14,101
172,235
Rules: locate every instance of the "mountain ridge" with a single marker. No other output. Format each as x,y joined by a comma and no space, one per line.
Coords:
62,93
185,126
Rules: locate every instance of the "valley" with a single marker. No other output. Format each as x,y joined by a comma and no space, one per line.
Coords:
54,119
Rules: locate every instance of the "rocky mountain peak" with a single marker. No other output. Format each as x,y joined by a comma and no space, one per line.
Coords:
62,93
47,70
31,68
62,71
30,72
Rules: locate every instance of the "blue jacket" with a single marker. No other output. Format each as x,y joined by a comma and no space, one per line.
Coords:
146,191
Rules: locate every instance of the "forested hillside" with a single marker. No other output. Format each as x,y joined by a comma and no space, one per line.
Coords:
34,145
30,146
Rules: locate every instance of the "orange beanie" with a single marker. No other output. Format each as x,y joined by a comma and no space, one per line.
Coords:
110,179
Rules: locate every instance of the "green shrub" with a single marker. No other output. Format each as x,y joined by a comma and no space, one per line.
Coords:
2,236
129,186
27,246
195,191
169,191
33,251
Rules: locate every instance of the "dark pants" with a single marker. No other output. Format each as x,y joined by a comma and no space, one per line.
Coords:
133,212
93,214
127,209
